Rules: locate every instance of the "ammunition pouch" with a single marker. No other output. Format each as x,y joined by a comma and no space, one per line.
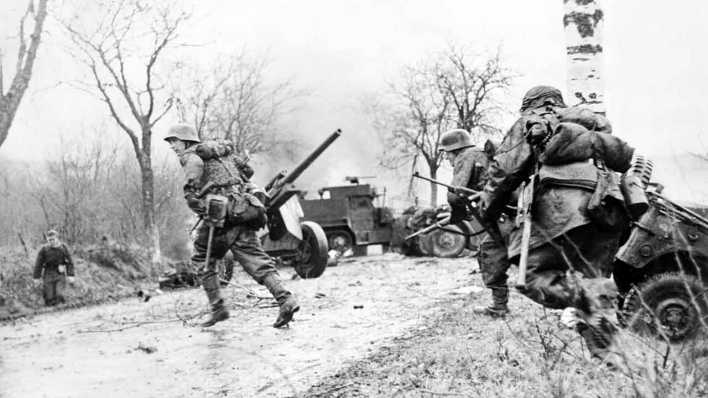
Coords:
246,209
605,207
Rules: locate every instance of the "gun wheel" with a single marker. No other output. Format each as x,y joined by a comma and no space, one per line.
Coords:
671,305
449,241
311,259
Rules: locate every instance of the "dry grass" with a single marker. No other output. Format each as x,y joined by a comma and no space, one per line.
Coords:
102,274
459,353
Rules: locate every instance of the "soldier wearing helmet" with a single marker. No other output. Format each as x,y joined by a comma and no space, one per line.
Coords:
470,165
565,234
207,163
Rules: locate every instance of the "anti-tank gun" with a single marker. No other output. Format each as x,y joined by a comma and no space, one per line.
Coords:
303,243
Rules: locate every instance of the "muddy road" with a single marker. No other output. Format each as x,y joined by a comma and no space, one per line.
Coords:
154,349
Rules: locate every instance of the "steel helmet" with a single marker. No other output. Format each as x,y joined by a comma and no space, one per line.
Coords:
183,132
539,95
455,139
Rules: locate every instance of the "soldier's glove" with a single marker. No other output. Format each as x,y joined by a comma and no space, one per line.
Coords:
458,207
483,204
70,279
260,221
195,204
538,130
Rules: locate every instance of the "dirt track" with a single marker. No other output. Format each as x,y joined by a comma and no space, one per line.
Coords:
142,349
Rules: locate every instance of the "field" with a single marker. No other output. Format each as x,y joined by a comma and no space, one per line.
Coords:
378,326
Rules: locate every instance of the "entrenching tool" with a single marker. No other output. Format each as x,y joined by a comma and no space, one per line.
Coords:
524,217
214,216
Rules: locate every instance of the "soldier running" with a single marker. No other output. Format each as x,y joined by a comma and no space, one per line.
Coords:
470,165
577,215
203,166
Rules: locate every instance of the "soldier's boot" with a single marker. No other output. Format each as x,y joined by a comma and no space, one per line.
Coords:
498,308
218,310
286,301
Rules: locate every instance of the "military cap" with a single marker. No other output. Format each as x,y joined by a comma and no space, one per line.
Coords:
182,132
455,139
539,95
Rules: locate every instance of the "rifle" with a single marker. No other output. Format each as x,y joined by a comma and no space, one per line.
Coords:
439,224
456,189
524,216
471,196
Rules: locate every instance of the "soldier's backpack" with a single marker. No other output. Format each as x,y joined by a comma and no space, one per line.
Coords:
578,141
229,173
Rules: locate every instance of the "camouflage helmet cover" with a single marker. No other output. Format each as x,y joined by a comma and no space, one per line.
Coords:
540,95
455,139
182,132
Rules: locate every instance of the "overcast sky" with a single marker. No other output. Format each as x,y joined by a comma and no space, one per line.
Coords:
656,64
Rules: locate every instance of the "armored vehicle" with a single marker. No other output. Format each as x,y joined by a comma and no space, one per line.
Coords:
662,270
350,218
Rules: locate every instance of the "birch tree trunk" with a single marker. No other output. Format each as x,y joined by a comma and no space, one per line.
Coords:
583,21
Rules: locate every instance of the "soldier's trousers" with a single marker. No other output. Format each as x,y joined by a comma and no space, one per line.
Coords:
584,249
494,264
243,243
53,284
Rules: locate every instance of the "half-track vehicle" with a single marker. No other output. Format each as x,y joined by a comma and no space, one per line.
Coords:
350,218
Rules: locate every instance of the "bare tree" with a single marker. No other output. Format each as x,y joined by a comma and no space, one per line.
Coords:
121,52
472,85
455,89
234,100
26,54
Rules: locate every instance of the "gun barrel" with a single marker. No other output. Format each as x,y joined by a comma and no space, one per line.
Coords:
300,168
276,193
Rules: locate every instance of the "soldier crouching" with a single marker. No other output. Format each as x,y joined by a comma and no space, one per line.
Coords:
577,214
470,165
212,169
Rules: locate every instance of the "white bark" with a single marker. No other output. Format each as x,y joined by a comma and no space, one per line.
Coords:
583,21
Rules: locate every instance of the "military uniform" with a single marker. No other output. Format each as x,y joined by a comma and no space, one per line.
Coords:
470,166
564,236
47,266
240,238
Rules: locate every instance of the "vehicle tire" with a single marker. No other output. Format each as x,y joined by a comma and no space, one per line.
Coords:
425,244
446,243
311,258
225,268
340,240
670,305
